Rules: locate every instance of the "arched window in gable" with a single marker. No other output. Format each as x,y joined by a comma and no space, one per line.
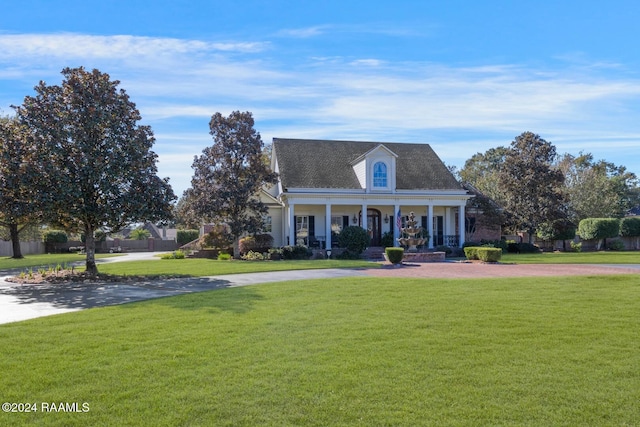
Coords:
380,175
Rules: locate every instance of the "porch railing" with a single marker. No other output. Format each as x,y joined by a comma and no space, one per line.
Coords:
317,242
452,241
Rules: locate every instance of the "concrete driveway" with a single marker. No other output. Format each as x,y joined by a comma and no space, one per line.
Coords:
22,302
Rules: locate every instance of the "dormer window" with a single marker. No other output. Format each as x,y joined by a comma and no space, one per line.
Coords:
380,175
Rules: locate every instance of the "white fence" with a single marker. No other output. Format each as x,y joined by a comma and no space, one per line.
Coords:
27,248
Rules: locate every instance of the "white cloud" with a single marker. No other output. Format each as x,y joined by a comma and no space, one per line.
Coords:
304,32
114,47
178,84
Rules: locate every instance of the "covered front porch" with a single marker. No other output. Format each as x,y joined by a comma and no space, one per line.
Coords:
318,225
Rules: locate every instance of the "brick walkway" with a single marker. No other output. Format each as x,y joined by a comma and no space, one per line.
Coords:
478,270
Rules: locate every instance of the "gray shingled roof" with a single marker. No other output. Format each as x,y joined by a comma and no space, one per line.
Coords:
305,163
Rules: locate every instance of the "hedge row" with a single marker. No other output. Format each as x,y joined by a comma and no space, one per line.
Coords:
483,253
605,228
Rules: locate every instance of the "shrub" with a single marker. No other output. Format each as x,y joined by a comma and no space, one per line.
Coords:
222,256
253,256
598,228
185,236
55,236
527,248
296,252
346,254
275,254
576,247
174,255
513,247
630,227
218,238
258,243
444,248
616,245
354,239
394,255
487,254
502,244
387,239
561,229
471,252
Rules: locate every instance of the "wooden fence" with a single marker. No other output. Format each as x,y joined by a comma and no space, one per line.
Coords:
27,248
126,245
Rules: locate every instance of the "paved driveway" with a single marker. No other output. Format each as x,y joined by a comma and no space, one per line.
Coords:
22,302
456,270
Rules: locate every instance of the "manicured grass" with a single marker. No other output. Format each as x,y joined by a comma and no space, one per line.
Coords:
603,257
45,260
208,267
356,351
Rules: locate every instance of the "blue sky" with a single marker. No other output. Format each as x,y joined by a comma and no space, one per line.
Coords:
463,76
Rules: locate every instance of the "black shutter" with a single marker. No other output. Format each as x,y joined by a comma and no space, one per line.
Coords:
424,222
312,227
345,221
295,231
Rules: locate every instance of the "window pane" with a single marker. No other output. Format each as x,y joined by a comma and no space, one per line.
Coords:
336,224
380,175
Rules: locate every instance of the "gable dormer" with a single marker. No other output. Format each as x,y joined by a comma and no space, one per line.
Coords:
376,169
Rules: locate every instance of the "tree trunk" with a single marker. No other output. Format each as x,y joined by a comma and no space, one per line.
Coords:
90,247
15,241
236,248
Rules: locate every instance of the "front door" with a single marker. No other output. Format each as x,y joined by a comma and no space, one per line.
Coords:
373,226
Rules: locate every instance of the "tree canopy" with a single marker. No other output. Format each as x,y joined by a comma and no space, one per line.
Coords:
228,175
531,187
482,172
597,189
95,161
19,207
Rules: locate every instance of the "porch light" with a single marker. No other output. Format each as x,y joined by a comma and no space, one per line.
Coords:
386,219
355,219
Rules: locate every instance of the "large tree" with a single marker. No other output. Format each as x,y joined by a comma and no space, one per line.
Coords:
96,159
597,189
482,172
19,207
228,176
532,188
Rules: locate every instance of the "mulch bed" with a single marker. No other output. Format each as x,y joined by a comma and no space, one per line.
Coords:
69,276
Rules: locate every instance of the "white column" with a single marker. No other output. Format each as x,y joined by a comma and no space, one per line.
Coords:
327,225
448,221
430,225
364,216
292,225
461,224
396,231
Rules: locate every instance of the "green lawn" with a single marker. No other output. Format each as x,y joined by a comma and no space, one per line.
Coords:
208,267
45,260
603,257
353,351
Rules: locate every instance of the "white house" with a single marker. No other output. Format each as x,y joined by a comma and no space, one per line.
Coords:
325,186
